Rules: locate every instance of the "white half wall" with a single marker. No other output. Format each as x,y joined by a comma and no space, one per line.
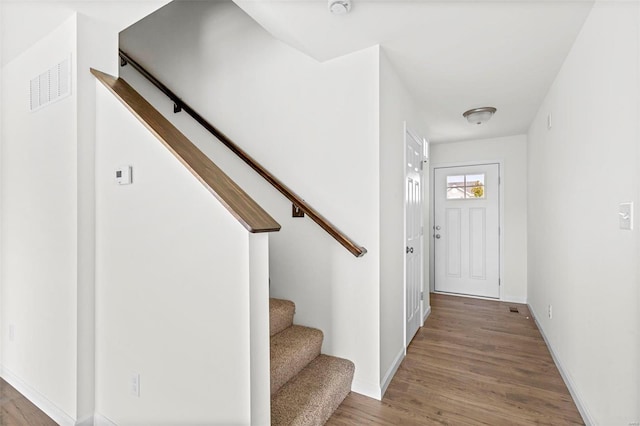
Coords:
174,296
512,152
580,262
314,125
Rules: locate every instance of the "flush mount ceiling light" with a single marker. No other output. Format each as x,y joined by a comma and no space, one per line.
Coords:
339,7
479,115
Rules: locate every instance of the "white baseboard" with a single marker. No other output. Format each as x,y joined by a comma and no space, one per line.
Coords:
39,400
426,314
514,300
86,422
367,389
582,408
96,420
391,371
99,420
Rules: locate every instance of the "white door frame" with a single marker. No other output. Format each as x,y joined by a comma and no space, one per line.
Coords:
432,167
408,129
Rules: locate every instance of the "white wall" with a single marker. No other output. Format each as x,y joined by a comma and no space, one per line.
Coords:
174,270
314,125
96,42
512,151
637,330
39,231
396,107
2,326
25,22
579,260
47,214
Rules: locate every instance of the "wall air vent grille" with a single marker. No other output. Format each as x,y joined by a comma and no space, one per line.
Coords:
50,86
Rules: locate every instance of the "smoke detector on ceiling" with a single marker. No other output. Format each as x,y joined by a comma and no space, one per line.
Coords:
339,7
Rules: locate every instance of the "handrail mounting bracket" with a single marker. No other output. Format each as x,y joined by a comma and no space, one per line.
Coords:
296,211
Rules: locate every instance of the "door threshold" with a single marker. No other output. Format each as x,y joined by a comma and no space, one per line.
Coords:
470,296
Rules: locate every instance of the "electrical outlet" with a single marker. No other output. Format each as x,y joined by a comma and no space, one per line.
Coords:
135,384
12,332
550,312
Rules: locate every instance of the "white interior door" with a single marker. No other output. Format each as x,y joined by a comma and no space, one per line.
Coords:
467,230
413,233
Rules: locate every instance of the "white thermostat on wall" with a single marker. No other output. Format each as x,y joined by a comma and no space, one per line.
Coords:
123,175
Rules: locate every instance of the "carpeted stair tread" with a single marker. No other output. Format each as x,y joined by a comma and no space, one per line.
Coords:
310,398
291,350
280,315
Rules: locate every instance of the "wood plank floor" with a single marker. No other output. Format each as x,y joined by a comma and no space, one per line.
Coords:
16,410
473,363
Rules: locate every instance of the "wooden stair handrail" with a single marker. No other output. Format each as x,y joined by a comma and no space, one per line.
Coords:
180,105
253,217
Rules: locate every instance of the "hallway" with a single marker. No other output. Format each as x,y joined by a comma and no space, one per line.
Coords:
474,362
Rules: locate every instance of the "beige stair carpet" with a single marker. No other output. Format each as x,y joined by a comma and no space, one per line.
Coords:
280,315
291,350
306,387
312,396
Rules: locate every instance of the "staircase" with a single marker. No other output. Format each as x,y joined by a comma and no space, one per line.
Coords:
306,387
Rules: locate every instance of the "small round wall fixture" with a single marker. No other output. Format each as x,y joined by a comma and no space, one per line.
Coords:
479,115
339,7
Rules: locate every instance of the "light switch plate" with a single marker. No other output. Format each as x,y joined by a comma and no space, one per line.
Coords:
625,213
135,384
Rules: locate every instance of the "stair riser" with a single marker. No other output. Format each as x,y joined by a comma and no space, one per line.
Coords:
280,315
312,396
291,351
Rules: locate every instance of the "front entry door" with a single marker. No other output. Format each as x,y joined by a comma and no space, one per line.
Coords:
466,230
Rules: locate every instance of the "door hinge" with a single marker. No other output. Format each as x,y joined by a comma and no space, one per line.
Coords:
499,231
499,282
499,180
422,295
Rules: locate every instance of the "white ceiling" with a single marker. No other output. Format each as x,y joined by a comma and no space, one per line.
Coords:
452,55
